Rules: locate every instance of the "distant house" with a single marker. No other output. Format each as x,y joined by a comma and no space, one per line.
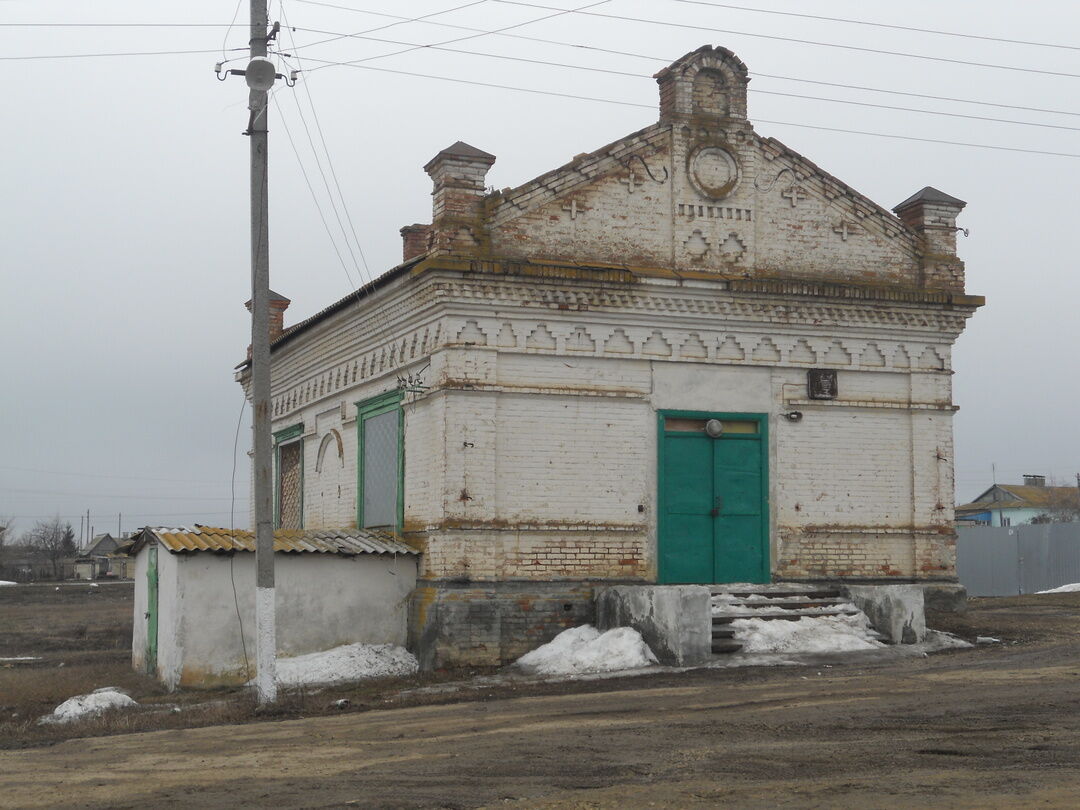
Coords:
106,556
1016,504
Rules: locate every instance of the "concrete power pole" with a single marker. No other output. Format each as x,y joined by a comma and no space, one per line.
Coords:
265,629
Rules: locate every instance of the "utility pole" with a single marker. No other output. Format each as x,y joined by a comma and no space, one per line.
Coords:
258,97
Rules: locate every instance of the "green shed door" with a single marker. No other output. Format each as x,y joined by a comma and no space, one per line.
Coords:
151,609
713,494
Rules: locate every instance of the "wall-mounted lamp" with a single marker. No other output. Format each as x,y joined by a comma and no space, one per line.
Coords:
793,416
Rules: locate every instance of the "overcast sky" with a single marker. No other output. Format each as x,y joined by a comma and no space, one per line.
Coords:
124,258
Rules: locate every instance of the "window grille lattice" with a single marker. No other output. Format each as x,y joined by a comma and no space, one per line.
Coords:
381,470
289,458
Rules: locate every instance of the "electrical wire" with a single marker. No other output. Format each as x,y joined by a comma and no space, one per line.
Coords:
796,40
121,497
400,21
232,526
558,13
650,106
314,196
118,25
880,25
104,55
99,475
753,90
232,22
668,60
329,162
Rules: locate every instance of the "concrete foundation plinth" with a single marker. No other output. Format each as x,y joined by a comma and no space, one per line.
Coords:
895,611
674,620
945,597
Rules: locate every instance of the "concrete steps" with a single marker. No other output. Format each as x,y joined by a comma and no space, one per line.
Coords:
771,603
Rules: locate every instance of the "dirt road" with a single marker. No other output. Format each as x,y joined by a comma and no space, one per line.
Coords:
996,726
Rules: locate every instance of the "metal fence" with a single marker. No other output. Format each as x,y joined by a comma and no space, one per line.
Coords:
1014,560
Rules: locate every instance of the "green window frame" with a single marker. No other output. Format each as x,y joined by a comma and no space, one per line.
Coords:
390,402
287,436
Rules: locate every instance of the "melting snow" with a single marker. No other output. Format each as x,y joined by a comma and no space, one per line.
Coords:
83,706
585,649
352,662
810,634
6,582
1071,588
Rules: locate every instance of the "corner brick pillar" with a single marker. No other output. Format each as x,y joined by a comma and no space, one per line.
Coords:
459,174
278,305
415,241
932,215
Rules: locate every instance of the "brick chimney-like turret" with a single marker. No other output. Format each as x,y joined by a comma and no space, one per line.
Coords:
278,305
459,174
415,241
932,215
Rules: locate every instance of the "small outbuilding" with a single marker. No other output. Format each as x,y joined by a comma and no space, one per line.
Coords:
195,598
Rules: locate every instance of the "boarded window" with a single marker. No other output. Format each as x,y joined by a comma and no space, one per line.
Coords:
379,427
290,479
710,95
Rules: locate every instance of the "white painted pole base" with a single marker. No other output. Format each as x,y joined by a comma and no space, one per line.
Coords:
265,646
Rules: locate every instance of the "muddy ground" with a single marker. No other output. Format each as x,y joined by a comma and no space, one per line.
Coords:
995,726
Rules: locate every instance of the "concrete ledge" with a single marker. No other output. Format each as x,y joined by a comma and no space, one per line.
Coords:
895,611
945,597
674,620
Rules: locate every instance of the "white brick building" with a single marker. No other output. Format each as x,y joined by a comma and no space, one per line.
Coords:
525,398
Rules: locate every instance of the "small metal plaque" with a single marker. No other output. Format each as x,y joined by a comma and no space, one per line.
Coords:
821,383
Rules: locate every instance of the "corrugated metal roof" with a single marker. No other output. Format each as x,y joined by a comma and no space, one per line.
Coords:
1028,497
321,541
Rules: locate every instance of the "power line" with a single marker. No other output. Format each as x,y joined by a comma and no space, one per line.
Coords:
314,196
880,25
114,25
113,495
400,20
668,60
914,95
123,477
559,12
756,91
158,514
650,107
105,55
329,160
798,41
232,22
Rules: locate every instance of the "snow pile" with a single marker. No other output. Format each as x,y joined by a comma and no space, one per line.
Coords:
352,662
724,604
1071,588
937,640
6,582
96,703
585,649
810,634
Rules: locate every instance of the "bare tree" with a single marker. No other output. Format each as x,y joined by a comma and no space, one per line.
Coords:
55,539
7,531
1062,505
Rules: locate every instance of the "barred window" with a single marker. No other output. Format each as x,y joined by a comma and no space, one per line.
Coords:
289,478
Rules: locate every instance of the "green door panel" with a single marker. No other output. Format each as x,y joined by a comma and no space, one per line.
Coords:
689,523
151,610
713,515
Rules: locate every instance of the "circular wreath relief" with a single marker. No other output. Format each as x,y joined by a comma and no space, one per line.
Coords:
713,171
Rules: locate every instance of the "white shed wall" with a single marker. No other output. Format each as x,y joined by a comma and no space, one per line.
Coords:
323,601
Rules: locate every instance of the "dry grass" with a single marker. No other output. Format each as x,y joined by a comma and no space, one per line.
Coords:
82,636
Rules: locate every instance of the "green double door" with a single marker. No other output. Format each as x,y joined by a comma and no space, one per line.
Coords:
713,515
